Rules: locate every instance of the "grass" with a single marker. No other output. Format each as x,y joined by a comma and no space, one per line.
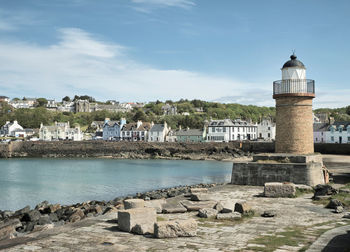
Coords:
213,222
160,218
301,192
346,186
344,198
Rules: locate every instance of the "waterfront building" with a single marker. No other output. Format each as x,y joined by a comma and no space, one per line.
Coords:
4,99
11,129
320,132
338,132
294,120
231,130
158,132
135,131
59,131
112,129
267,129
191,135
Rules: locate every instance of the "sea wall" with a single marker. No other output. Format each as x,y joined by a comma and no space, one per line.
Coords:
146,150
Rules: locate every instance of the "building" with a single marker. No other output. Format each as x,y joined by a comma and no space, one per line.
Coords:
112,129
190,135
320,132
169,109
158,132
11,129
82,106
135,131
66,106
231,130
294,120
109,107
4,99
25,103
338,132
60,131
267,129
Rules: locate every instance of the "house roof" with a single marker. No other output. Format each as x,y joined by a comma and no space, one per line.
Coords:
229,122
338,124
111,123
3,97
157,128
133,126
189,132
318,127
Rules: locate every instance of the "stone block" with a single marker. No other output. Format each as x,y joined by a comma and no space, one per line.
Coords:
172,229
227,206
207,212
243,207
197,205
198,190
275,190
173,208
156,204
229,216
137,220
134,203
200,197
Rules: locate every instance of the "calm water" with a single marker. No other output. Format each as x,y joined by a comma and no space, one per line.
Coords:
67,181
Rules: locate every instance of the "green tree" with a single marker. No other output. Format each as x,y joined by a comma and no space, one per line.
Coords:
66,98
41,102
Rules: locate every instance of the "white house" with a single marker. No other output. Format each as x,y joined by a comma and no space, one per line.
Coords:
136,131
26,103
66,106
4,99
320,132
9,129
158,132
231,130
112,129
267,129
60,131
338,132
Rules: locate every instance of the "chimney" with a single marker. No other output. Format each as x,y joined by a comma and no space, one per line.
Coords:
139,123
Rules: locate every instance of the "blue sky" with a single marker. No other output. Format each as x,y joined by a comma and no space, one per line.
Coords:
144,50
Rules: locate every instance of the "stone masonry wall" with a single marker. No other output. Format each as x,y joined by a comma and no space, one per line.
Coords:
294,131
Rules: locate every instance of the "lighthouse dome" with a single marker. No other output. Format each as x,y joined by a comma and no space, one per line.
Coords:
293,62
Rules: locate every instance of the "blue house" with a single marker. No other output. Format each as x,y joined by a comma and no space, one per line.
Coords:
112,129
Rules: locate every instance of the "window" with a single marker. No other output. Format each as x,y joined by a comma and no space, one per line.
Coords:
224,129
349,139
213,129
332,139
268,135
269,128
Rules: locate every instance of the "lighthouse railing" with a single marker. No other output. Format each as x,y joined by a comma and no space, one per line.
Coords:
294,86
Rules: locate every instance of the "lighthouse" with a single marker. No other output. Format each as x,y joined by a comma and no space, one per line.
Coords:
293,95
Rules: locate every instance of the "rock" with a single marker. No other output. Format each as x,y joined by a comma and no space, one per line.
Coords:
269,213
321,190
275,190
322,197
172,229
196,205
243,208
41,206
334,203
137,220
339,209
198,190
98,209
8,228
38,228
7,214
44,219
134,203
227,206
77,215
51,208
347,215
229,216
32,215
303,187
60,213
53,217
29,227
207,213
110,209
156,204
173,208
21,212
219,207
200,197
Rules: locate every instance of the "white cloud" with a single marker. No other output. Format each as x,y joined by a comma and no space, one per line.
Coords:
78,63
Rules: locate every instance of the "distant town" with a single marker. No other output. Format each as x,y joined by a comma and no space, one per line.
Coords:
84,118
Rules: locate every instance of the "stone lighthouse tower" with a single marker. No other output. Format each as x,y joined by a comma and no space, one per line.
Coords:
294,123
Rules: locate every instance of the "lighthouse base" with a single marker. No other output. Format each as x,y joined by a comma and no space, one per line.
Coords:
280,167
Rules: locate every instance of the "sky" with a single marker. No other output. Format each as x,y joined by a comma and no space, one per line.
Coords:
145,50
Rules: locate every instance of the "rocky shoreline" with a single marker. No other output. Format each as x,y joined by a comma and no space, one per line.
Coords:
46,216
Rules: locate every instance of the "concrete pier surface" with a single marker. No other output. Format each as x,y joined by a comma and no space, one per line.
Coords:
297,224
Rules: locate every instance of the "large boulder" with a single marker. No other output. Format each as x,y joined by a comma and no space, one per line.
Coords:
172,229
32,215
322,190
196,205
276,189
207,212
334,203
137,220
8,228
156,204
229,216
243,207
134,203
227,206
77,215
200,197
44,219
19,213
